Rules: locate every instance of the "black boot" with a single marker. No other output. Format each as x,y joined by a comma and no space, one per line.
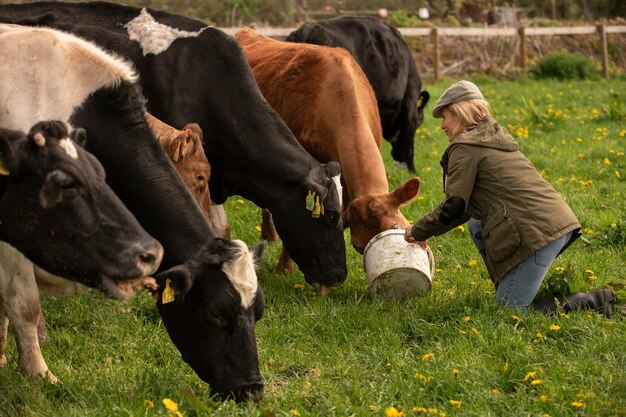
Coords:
598,300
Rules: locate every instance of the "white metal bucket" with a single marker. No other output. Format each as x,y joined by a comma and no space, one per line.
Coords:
395,268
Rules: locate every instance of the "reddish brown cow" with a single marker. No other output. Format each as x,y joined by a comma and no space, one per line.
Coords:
184,148
327,102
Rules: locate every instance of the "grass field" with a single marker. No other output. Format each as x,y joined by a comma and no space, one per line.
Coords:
452,352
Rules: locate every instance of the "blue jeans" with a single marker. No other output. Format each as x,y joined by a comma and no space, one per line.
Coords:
520,285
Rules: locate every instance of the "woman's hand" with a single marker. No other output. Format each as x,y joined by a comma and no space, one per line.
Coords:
408,236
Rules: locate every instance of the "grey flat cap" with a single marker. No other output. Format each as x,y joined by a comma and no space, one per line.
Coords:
459,91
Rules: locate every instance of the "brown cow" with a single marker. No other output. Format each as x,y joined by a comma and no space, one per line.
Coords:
327,102
184,148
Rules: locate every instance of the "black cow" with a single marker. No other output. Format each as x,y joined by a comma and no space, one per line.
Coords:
208,295
55,207
193,72
386,59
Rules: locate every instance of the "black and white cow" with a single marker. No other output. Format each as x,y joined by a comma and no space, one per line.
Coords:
55,206
193,72
386,59
208,295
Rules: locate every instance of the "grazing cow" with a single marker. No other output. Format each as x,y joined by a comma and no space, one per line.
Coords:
191,71
386,59
326,100
208,295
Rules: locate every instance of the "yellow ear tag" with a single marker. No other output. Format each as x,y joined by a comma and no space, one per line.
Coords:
168,292
310,201
3,168
419,102
316,209
322,209
177,152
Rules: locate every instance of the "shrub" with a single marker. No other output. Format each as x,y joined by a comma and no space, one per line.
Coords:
565,66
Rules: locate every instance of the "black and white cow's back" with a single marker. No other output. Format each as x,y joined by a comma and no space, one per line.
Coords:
201,276
386,59
193,72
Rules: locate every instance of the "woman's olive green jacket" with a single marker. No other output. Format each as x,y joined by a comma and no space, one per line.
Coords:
488,178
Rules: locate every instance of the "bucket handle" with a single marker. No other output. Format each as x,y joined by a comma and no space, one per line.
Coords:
431,259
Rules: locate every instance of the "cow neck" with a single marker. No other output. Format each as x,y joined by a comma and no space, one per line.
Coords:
362,168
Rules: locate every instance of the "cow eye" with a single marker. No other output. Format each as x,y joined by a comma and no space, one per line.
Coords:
216,318
66,183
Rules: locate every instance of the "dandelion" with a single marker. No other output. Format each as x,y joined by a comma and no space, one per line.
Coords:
456,403
148,404
529,375
543,398
472,262
294,412
427,356
460,228
394,412
581,155
617,173
559,269
565,316
298,286
540,335
554,327
438,270
495,392
456,372
535,382
475,330
515,318
419,410
457,267
170,405
466,318
578,404
505,368
240,201
606,161
428,169
462,331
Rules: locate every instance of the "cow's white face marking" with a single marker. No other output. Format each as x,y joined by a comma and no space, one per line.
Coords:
337,181
69,148
240,271
154,37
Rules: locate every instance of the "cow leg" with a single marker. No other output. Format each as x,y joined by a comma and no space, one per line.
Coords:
20,300
268,231
285,264
4,330
41,328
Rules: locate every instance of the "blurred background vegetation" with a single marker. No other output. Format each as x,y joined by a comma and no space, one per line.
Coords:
399,12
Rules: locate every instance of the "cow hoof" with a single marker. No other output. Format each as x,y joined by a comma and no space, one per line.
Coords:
49,377
322,289
3,361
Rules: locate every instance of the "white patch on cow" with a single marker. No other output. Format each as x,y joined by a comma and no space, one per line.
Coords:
69,148
154,37
240,271
337,181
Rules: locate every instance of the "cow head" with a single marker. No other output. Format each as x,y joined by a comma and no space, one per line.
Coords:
209,307
369,215
56,208
324,264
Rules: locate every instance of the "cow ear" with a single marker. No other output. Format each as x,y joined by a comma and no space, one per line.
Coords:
257,251
345,218
333,169
174,284
9,162
405,193
79,136
422,101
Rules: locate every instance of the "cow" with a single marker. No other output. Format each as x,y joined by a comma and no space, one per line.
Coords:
54,204
208,294
386,59
327,102
191,71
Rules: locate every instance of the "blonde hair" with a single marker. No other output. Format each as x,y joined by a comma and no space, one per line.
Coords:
471,112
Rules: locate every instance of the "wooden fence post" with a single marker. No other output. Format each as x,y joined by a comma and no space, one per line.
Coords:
437,57
522,49
605,50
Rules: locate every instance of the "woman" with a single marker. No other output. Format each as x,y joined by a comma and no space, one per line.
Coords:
518,222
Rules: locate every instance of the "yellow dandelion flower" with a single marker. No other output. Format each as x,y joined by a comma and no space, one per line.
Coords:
529,375
564,315
294,412
588,271
559,269
466,318
554,327
581,155
428,169
298,286
578,404
428,356
462,332
442,414
457,267
420,198
475,330
606,161
540,335
495,392
617,173
394,412
543,398
148,404
515,318
456,403
240,201
460,228
455,372
506,367
438,270
472,262
535,382
169,404
257,228
419,410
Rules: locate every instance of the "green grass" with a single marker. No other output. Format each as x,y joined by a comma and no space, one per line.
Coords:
350,355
